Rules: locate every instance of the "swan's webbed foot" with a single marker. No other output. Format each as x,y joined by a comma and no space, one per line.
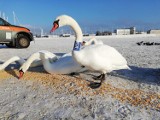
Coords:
95,85
101,76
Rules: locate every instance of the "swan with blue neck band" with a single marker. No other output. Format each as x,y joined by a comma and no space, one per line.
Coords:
77,46
101,58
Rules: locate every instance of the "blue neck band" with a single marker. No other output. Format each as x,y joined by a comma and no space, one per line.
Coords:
77,46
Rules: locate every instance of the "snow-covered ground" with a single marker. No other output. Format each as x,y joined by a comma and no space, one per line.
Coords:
125,94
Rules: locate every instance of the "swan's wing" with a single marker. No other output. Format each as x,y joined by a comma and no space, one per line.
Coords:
65,65
100,58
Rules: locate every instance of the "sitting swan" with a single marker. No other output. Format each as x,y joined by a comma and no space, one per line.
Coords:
100,57
64,65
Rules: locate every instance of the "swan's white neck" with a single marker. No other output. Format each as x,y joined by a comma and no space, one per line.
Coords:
78,34
13,59
26,65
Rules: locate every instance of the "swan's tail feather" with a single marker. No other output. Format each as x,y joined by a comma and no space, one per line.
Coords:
122,67
129,68
126,67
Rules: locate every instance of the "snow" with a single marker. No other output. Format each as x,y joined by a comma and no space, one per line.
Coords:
127,94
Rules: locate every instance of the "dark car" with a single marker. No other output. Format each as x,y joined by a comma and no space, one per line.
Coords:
14,36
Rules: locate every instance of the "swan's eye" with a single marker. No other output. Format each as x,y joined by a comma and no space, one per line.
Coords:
83,43
56,22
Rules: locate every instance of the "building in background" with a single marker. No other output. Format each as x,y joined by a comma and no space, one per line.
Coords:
153,31
126,31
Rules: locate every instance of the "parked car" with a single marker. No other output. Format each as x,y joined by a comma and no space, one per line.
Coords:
14,36
64,35
86,34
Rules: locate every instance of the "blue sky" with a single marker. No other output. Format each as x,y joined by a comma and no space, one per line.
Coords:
93,14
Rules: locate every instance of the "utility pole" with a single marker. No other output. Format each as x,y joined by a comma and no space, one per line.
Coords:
41,32
4,16
15,18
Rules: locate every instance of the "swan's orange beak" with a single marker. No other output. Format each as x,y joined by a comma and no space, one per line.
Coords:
20,74
55,26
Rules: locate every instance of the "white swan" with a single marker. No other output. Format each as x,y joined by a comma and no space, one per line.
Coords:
20,61
101,58
64,65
